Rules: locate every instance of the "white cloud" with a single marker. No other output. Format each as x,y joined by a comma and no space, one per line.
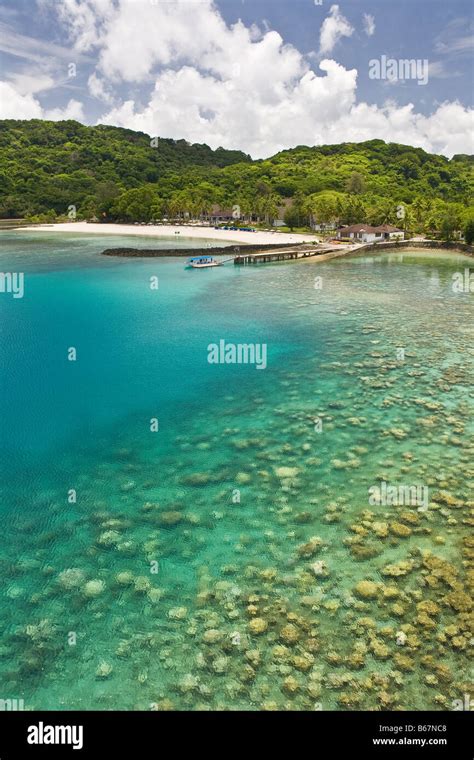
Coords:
322,110
448,130
205,81
369,24
85,19
439,70
73,110
333,28
200,107
239,88
14,105
28,82
22,46
457,38
460,46
98,89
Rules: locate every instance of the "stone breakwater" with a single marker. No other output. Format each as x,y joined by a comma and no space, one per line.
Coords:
233,249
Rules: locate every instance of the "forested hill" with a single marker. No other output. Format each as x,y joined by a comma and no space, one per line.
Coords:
45,164
114,173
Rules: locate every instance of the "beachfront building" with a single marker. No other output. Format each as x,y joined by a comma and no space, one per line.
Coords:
223,215
219,215
365,233
323,226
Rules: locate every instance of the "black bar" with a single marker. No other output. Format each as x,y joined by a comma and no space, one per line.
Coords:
314,734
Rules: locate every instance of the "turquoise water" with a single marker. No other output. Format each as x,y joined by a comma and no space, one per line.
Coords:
218,563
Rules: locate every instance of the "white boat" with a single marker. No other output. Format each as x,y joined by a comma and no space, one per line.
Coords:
202,262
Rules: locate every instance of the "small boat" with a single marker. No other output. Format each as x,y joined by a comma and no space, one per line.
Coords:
202,262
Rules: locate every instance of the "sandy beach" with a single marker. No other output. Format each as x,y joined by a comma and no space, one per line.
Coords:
183,231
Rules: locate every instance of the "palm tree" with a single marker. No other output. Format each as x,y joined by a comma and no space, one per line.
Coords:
268,206
408,220
179,204
421,208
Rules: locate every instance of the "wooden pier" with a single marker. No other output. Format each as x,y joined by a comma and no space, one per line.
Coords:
263,257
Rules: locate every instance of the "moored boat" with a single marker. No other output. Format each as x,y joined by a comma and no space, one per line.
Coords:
202,262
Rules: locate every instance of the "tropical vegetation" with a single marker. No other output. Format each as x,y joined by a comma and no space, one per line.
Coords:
54,170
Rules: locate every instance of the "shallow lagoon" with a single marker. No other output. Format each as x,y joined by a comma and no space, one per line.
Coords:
232,559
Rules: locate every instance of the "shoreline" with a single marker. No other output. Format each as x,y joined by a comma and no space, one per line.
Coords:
161,231
403,246
232,240
422,244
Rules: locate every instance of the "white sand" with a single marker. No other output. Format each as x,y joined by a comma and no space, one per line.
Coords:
259,238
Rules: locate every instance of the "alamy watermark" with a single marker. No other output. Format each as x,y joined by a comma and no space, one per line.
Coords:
386,495
12,705
13,283
51,734
400,69
463,282
466,703
237,353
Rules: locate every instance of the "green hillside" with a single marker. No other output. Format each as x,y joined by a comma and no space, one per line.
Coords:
117,174
49,165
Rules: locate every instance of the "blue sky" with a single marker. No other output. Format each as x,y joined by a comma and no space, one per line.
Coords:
404,29
259,75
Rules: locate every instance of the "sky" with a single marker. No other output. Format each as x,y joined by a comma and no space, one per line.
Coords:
256,75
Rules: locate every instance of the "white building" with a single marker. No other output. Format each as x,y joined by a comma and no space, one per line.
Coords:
365,233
